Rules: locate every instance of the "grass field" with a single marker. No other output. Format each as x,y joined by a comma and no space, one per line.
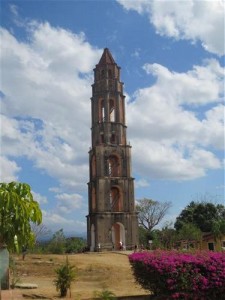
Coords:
95,271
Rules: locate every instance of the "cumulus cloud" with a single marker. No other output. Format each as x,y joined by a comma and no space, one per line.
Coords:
191,20
69,202
180,122
141,183
9,170
39,198
201,85
46,115
45,103
56,221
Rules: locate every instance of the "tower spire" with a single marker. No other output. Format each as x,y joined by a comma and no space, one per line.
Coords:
106,58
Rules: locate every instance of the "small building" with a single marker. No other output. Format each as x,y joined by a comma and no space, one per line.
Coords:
209,242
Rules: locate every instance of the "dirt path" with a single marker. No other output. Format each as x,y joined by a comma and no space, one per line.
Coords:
95,271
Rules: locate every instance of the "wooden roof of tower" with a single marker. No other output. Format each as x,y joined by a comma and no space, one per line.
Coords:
106,58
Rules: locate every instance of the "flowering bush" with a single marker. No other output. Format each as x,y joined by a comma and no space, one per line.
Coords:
176,275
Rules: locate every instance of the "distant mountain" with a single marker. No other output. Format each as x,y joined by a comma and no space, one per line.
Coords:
67,234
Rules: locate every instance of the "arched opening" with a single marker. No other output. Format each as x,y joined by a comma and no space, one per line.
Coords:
113,166
118,236
101,110
112,110
92,248
115,199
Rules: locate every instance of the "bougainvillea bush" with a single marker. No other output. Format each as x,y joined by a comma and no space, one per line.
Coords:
177,275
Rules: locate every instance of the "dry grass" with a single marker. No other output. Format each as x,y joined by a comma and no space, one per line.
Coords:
95,272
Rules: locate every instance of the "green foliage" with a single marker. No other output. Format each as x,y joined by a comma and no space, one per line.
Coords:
66,274
75,245
218,229
201,214
17,210
143,236
59,244
105,295
190,233
164,238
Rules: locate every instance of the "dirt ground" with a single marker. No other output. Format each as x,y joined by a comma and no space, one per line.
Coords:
95,271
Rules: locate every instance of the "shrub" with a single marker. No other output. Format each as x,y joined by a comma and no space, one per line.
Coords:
176,275
66,274
105,295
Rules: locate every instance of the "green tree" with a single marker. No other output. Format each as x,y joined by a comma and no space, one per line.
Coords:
218,229
190,233
17,210
167,236
75,245
201,214
151,212
57,245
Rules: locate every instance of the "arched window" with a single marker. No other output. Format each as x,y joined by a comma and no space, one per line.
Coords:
102,74
115,199
113,166
111,110
101,110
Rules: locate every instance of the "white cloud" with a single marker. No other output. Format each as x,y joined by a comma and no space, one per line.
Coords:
192,20
168,162
55,221
180,120
46,111
9,170
39,198
201,85
69,202
140,183
47,84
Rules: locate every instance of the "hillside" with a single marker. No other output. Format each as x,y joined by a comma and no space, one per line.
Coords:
95,272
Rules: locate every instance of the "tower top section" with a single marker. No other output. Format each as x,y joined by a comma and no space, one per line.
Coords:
106,58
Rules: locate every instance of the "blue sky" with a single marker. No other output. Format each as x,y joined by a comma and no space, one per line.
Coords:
171,55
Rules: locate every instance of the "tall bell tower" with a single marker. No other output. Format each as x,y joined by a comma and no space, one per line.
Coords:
112,220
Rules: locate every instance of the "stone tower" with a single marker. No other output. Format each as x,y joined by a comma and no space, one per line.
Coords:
112,220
